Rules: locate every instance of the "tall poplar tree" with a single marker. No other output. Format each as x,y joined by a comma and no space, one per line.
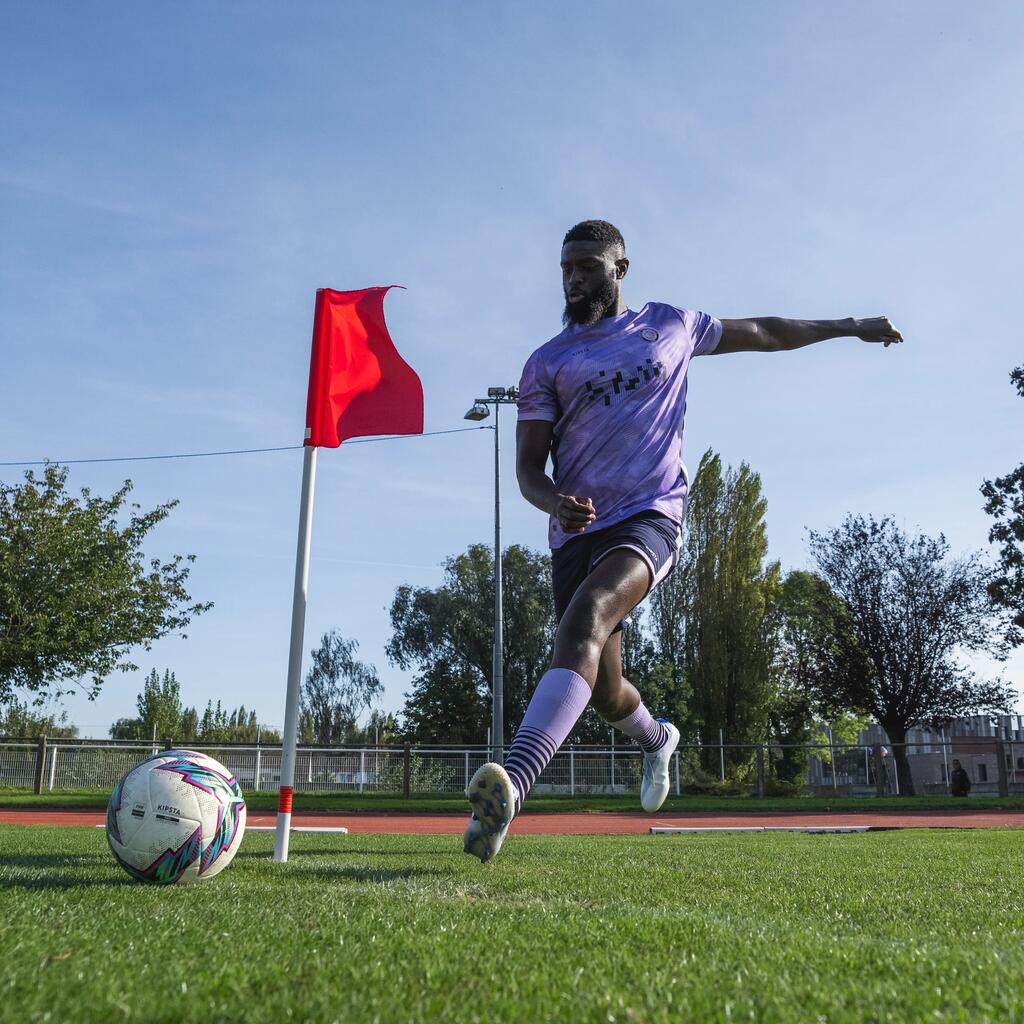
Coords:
727,592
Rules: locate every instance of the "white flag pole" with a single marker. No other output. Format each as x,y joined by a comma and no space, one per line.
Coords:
291,708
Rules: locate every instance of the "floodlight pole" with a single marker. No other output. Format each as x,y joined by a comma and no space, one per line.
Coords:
496,740
497,659
291,708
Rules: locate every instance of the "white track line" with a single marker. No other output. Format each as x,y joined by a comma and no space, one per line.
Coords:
664,831
298,828
294,828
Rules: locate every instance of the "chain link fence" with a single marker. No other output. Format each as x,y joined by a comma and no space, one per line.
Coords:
992,767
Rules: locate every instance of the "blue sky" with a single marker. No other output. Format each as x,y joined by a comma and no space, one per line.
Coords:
175,182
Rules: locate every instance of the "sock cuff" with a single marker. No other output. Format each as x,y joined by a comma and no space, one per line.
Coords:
633,719
566,689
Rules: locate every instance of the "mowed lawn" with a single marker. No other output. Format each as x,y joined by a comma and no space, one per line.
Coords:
892,926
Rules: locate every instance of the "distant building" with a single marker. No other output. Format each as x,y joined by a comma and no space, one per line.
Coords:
970,740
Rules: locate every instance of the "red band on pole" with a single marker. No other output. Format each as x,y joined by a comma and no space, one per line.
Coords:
284,800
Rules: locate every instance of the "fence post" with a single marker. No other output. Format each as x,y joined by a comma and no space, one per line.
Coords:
168,744
53,766
721,754
407,769
1004,782
258,771
678,790
40,764
760,770
572,771
465,768
879,771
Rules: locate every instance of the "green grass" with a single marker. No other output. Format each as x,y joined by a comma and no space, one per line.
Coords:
432,803
896,926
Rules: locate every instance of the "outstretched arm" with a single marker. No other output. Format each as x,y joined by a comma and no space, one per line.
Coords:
774,334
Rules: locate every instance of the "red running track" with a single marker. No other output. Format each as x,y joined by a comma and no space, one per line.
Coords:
603,823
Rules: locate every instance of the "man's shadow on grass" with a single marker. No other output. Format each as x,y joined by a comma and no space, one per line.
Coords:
357,874
51,865
344,871
338,851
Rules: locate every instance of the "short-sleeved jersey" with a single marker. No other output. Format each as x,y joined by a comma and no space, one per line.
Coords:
616,394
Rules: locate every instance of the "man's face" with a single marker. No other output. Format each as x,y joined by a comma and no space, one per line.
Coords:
591,276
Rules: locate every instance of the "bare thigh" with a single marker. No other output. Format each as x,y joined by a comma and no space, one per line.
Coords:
616,585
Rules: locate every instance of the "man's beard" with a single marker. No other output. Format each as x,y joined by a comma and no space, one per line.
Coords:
591,308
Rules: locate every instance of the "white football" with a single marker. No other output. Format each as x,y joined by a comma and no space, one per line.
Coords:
177,817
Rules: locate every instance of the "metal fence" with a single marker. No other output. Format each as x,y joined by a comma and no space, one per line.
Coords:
993,767
68,764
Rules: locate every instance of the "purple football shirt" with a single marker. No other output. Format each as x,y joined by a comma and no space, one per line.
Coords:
616,394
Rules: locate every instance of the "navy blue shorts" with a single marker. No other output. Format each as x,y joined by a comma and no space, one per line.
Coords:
651,535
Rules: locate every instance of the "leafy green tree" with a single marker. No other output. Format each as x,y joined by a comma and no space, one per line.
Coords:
727,590
337,690
18,718
189,725
664,677
76,593
381,729
218,725
159,711
446,705
1004,501
446,634
905,613
803,620
159,705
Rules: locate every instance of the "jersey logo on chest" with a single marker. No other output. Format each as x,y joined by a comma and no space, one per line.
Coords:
605,387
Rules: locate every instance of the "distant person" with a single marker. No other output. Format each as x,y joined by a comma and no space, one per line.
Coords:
959,780
604,400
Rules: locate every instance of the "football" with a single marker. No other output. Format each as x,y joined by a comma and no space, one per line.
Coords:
179,816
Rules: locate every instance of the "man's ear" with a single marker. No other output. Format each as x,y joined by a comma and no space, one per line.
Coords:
621,266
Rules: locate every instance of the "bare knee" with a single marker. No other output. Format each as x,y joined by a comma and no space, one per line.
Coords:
590,618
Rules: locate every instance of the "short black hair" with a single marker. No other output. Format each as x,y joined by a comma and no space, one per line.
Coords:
595,231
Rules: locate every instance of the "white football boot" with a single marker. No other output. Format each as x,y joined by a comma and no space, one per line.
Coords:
655,784
492,795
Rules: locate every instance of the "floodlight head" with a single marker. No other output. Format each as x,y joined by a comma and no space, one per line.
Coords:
513,392
478,412
495,392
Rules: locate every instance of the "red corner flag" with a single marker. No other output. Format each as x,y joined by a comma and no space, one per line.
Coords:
358,383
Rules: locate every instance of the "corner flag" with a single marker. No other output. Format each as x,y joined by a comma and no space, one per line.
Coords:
358,385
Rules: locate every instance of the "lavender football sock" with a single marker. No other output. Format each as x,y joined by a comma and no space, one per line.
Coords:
650,734
555,707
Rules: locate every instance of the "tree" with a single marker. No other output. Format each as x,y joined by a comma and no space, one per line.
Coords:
906,611
446,635
337,690
162,716
381,729
76,594
189,725
160,711
1004,501
664,679
802,608
725,595
19,718
216,725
